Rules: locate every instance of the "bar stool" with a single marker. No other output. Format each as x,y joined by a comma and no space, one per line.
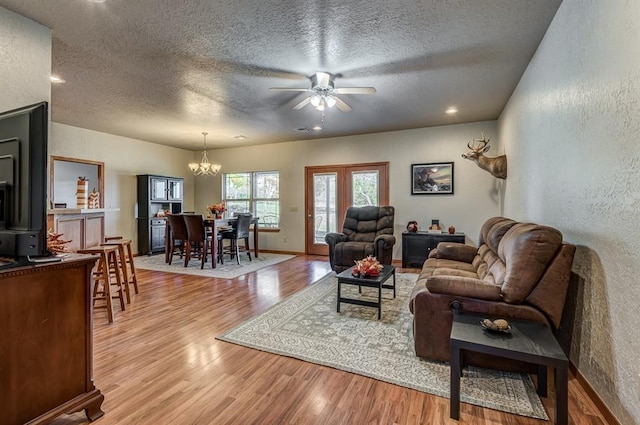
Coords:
127,266
106,268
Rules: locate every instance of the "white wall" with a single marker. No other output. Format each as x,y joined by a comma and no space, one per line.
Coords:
571,133
25,64
123,159
476,191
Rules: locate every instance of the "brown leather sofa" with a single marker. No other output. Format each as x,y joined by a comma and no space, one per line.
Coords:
519,270
366,231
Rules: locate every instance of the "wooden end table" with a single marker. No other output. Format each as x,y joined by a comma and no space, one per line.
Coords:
528,341
373,282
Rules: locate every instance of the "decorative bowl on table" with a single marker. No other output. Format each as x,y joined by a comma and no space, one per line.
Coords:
369,266
498,325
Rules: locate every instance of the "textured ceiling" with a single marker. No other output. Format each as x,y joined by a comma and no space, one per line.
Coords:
166,70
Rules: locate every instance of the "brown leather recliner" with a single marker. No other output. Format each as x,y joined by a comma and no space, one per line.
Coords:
520,271
366,231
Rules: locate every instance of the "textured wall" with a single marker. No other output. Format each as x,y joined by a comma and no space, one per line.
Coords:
123,159
25,61
571,133
476,191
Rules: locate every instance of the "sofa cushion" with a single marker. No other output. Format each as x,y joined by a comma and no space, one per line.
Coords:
526,249
464,287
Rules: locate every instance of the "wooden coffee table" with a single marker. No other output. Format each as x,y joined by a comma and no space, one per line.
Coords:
528,342
373,282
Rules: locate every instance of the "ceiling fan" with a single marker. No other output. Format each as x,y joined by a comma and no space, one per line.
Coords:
323,93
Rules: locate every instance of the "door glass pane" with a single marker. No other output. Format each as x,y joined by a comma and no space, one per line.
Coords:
364,188
325,214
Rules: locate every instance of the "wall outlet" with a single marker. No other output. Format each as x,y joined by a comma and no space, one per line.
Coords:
284,239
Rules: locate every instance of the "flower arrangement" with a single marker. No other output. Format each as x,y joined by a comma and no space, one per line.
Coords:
217,209
55,244
369,266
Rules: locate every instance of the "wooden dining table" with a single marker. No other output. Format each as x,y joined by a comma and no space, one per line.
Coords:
214,224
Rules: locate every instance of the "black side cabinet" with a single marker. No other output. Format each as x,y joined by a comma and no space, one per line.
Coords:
157,196
417,245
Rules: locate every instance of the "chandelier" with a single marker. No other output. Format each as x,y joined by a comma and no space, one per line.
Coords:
205,168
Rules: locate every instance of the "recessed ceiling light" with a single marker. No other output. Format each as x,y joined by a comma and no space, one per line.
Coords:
317,128
240,137
451,110
56,80
96,1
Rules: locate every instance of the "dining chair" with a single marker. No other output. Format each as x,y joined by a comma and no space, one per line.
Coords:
197,240
179,235
240,231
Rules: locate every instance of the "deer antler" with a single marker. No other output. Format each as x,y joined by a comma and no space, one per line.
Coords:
481,144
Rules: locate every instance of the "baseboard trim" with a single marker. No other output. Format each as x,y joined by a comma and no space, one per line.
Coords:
273,251
593,396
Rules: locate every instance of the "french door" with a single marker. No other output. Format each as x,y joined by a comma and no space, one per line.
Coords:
331,189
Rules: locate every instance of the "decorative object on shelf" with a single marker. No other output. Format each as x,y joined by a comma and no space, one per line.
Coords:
160,213
217,209
55,245
82,192
452,230
205,168
496,166
432,179
435,227
412,226
498,325
94,199
369,266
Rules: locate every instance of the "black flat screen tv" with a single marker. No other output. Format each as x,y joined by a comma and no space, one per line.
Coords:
23,183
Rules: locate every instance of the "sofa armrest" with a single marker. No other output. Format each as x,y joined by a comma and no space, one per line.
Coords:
454,251
333,238
464,287
387,241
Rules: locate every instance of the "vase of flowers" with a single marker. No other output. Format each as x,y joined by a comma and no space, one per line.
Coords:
369,266
217,209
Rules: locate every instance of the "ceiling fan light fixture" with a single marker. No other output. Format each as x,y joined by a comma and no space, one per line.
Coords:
316,100
330,101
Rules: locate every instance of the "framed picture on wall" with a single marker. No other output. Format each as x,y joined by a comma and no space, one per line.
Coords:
432,178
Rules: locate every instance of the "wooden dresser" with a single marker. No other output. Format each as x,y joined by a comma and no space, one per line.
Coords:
46,342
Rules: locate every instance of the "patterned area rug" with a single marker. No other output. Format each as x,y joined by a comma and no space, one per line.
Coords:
228,270
306,326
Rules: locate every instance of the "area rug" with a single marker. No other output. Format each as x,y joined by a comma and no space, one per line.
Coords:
228,270
306,326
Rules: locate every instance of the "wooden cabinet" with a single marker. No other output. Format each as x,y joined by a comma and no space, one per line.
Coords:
46,355
84,230
157,195
417,245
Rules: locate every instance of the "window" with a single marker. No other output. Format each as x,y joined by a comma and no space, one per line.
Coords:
256,192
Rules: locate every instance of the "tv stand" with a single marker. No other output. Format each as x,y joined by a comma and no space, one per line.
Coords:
46,360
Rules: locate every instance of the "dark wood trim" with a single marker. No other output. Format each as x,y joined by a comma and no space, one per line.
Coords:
593,396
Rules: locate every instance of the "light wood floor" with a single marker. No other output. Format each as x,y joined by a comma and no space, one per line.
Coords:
159,363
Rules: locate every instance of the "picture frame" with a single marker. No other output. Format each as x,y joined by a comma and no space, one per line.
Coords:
434,178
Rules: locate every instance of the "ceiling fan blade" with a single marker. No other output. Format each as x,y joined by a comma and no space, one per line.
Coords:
341,105
287,89
355,90
303,103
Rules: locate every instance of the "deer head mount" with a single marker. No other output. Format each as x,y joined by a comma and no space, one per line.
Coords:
496,166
